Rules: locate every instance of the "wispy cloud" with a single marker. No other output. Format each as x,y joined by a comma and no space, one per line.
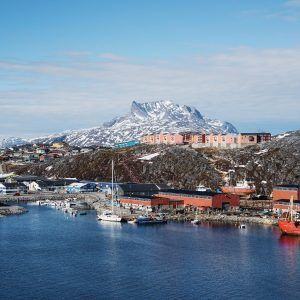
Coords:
292,3
287,11
248,87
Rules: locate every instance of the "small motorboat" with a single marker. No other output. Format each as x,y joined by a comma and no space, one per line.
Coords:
242,226
145,220
132,221
195,222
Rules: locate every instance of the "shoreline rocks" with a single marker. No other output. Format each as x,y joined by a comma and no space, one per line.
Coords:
222,218
12,210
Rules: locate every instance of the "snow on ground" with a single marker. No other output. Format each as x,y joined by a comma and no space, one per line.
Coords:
149,156
280,136
261,152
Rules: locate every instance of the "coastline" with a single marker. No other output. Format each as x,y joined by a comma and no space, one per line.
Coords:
234,220
98,203
12,210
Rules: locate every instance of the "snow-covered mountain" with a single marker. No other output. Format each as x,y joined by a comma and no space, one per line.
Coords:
12,141
144,118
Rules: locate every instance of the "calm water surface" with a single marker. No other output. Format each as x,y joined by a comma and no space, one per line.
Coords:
47,254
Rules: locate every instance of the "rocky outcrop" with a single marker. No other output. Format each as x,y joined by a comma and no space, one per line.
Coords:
12,210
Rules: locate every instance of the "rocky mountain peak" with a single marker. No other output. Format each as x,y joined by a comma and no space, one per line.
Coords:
164,109
143,118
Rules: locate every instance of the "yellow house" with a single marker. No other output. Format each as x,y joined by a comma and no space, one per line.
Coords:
58,145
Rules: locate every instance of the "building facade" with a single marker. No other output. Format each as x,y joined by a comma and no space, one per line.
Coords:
202,200
13,188
81,187
149,203
163,138
286,191
198,140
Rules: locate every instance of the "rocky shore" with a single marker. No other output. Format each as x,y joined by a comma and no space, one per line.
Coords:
12,210
101,204
223,218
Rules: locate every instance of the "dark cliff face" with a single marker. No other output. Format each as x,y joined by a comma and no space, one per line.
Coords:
267,164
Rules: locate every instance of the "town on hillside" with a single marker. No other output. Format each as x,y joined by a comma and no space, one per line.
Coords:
233,198
35,153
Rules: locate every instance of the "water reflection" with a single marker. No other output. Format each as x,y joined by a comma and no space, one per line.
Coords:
110,225
289,241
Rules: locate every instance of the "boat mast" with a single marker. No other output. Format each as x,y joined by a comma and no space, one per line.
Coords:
112,185
291,208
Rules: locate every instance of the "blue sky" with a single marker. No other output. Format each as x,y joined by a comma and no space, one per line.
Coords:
75,64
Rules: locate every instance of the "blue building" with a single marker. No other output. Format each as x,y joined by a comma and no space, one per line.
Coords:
127,144
81,187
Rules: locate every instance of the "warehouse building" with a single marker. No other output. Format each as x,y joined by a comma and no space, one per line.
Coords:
286,191
202,200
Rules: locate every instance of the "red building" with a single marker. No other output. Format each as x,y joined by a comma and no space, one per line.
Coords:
202,200
150,203
286,191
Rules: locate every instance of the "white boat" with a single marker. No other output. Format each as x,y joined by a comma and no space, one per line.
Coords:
196,220
242,226
110,215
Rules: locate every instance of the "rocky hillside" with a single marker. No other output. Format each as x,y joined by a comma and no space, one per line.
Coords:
182,167
144,118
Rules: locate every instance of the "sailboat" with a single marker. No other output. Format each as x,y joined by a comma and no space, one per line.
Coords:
288,225
109,215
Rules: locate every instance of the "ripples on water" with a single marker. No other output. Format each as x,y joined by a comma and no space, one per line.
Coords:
47,254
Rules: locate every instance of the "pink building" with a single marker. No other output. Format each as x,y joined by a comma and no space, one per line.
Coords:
198,140
231,141
163,138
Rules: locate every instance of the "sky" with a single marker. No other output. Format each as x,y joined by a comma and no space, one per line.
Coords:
70,64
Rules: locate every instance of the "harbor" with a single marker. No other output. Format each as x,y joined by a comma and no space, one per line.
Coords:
99,203
80,257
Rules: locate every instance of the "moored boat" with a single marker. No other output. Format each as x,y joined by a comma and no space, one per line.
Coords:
242,188
110,216
288,225
145,220
132,221
195,222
